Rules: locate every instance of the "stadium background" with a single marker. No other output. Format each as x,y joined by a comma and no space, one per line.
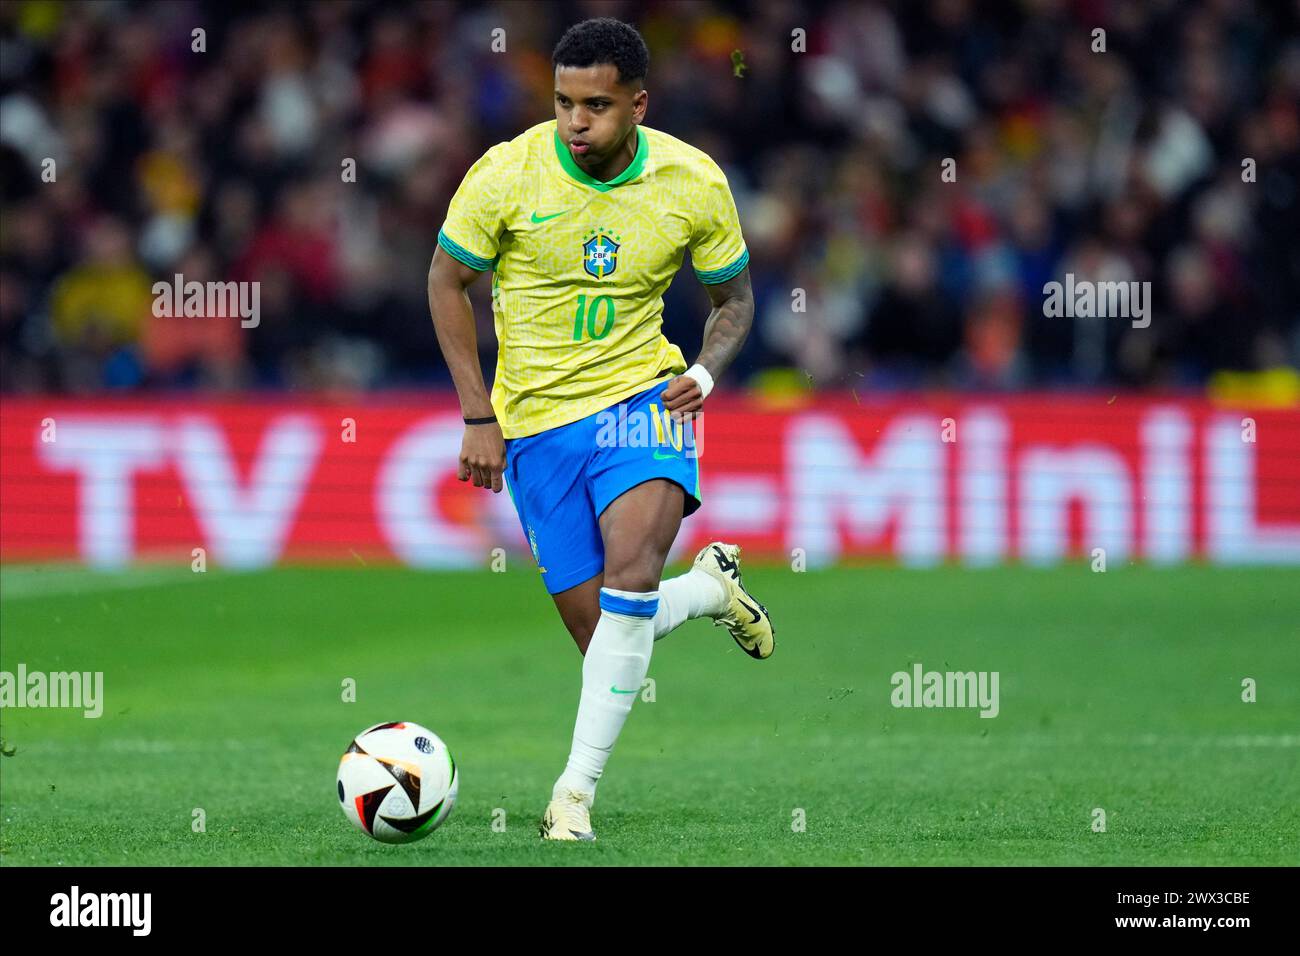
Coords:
327,436
230,164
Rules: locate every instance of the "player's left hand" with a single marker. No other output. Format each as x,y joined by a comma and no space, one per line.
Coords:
683,398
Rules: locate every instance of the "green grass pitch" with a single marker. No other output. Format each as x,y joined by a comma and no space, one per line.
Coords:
1120,691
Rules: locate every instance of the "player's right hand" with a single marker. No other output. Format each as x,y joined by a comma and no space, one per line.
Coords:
483,456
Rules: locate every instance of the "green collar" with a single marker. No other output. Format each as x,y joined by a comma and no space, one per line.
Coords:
633,170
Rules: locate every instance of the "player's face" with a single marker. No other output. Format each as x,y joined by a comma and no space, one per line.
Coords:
594,113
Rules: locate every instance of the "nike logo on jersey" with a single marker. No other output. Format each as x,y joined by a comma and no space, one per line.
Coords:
617,691
537,218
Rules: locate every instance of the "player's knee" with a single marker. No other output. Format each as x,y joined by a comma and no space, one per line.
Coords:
641,576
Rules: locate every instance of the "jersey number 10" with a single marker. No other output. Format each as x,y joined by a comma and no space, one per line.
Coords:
588,315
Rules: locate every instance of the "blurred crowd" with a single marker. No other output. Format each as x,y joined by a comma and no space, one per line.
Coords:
909,176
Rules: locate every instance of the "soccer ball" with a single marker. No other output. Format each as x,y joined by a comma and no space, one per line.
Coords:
397,782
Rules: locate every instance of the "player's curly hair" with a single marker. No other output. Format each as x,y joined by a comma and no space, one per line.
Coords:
604,40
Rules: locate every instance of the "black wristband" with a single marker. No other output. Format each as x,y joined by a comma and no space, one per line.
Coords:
481,421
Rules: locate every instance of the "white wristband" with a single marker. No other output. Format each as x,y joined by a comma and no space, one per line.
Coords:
701,375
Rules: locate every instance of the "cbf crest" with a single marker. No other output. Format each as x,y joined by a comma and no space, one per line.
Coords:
600,253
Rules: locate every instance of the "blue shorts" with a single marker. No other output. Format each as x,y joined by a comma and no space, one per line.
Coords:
561,480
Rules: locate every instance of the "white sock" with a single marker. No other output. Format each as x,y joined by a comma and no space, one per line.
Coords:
686,597
616,664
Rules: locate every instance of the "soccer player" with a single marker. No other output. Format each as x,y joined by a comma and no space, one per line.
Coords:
583,222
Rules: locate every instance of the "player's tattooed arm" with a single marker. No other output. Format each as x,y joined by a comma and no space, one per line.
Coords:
482,450
725,332
728,324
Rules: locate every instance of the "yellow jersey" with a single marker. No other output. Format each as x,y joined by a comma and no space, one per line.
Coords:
580,267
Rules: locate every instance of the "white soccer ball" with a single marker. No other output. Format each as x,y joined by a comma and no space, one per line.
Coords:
397,782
